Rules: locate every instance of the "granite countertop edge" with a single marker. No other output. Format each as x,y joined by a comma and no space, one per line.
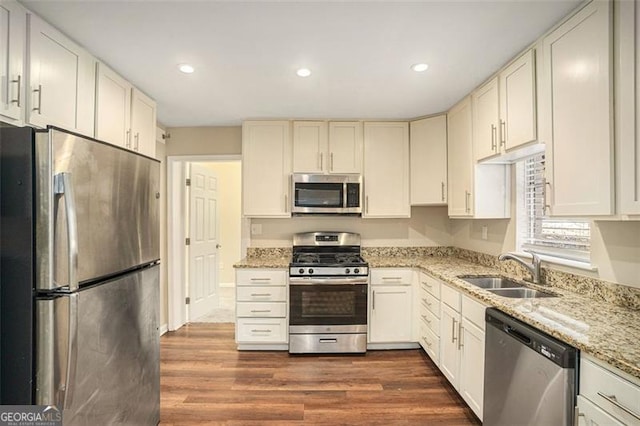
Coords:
600,329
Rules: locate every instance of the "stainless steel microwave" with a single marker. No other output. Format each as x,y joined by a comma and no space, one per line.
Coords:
326,194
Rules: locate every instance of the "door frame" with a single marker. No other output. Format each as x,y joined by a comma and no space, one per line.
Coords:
176,232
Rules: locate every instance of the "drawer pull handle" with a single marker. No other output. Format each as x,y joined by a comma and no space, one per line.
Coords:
260,294
255,330
392,278
612,399
427,284
260,311
260,279
424,317
426,302
328,340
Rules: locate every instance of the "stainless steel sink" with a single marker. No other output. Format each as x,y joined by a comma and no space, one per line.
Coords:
521,293
505,287
491,282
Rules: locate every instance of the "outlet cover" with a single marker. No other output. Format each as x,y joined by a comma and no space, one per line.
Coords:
256,229
485,232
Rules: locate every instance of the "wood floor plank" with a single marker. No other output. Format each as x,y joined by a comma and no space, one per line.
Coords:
205,380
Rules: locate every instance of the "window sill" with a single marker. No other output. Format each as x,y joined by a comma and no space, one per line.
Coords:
585,266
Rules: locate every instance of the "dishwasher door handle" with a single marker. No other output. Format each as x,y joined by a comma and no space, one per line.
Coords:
517,335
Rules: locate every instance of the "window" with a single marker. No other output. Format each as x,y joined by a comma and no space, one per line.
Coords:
564,238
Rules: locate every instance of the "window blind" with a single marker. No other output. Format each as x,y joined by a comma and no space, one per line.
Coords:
559,237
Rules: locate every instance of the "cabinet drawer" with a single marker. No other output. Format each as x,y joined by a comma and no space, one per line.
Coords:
262,294
261,277
432,321
450,296
268,309
601,386
473,311
391,276
430,343
590,414
430,284
272,330
429,301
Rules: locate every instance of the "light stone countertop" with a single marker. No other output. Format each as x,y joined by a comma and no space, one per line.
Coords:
603,330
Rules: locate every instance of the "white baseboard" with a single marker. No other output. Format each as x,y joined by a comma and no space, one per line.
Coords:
227,285
163,329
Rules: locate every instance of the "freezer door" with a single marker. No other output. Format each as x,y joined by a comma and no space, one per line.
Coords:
97,210
101,364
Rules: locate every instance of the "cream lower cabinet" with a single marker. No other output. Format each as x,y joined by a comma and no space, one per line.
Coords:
390,306
261,309
429,316
266,169
606,397
386,170
61,80
462,340
577,113
428,146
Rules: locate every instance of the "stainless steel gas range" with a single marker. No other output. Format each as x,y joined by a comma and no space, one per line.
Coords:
328,288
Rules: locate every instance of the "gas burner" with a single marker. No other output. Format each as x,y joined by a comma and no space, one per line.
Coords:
348,258
307,258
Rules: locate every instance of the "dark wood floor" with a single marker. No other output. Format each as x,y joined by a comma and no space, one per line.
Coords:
204,379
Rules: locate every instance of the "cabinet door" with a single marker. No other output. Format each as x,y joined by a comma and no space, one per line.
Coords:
266,166
391,314
62,80
12,80
428,147
143,123
518,102
449,352
460,159
113,108
386,170
345,147
485,120
471,344
577,87
309,147
627,95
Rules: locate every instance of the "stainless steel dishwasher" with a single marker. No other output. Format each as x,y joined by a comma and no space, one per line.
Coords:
530,377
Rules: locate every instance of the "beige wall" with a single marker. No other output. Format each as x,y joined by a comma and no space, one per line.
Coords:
428,226
230,214
204,141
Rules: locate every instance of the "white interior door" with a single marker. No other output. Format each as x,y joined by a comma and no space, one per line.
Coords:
204,244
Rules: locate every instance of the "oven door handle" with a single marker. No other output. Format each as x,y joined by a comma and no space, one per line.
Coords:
327,281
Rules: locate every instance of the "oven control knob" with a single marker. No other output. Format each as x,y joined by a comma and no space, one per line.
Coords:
356,271
301,271
310,271
346,271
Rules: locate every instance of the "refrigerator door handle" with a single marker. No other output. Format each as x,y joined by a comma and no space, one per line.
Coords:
57,350
62,186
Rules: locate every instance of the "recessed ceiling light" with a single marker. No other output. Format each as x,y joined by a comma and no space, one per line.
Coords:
419,67
303,72
186,68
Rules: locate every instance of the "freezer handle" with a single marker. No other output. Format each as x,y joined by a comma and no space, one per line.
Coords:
62,186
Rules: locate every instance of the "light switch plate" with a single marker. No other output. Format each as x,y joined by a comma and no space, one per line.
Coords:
485,232
256,229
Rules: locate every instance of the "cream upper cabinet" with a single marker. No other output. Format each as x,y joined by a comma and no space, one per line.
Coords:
578,129
13,28
113,107
143,123
61,80
486,118
386,169
518,117
504,110
310,147
345,147
428,147
321,147
266,168
627,95
460,159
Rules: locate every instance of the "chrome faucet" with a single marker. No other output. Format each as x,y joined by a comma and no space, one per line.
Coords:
533,267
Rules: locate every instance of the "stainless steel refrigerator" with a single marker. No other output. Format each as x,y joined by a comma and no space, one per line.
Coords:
79,277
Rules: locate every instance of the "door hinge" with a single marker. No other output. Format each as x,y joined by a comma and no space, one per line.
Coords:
187,300
188,182
187,241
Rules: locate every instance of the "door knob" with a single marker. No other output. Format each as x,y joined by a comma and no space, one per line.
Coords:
218,246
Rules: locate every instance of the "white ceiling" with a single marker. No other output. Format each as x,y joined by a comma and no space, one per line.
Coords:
246,53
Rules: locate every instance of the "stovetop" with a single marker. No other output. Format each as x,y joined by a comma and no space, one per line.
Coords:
328,259
329,254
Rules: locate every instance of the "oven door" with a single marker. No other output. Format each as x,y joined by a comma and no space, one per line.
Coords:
338,304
